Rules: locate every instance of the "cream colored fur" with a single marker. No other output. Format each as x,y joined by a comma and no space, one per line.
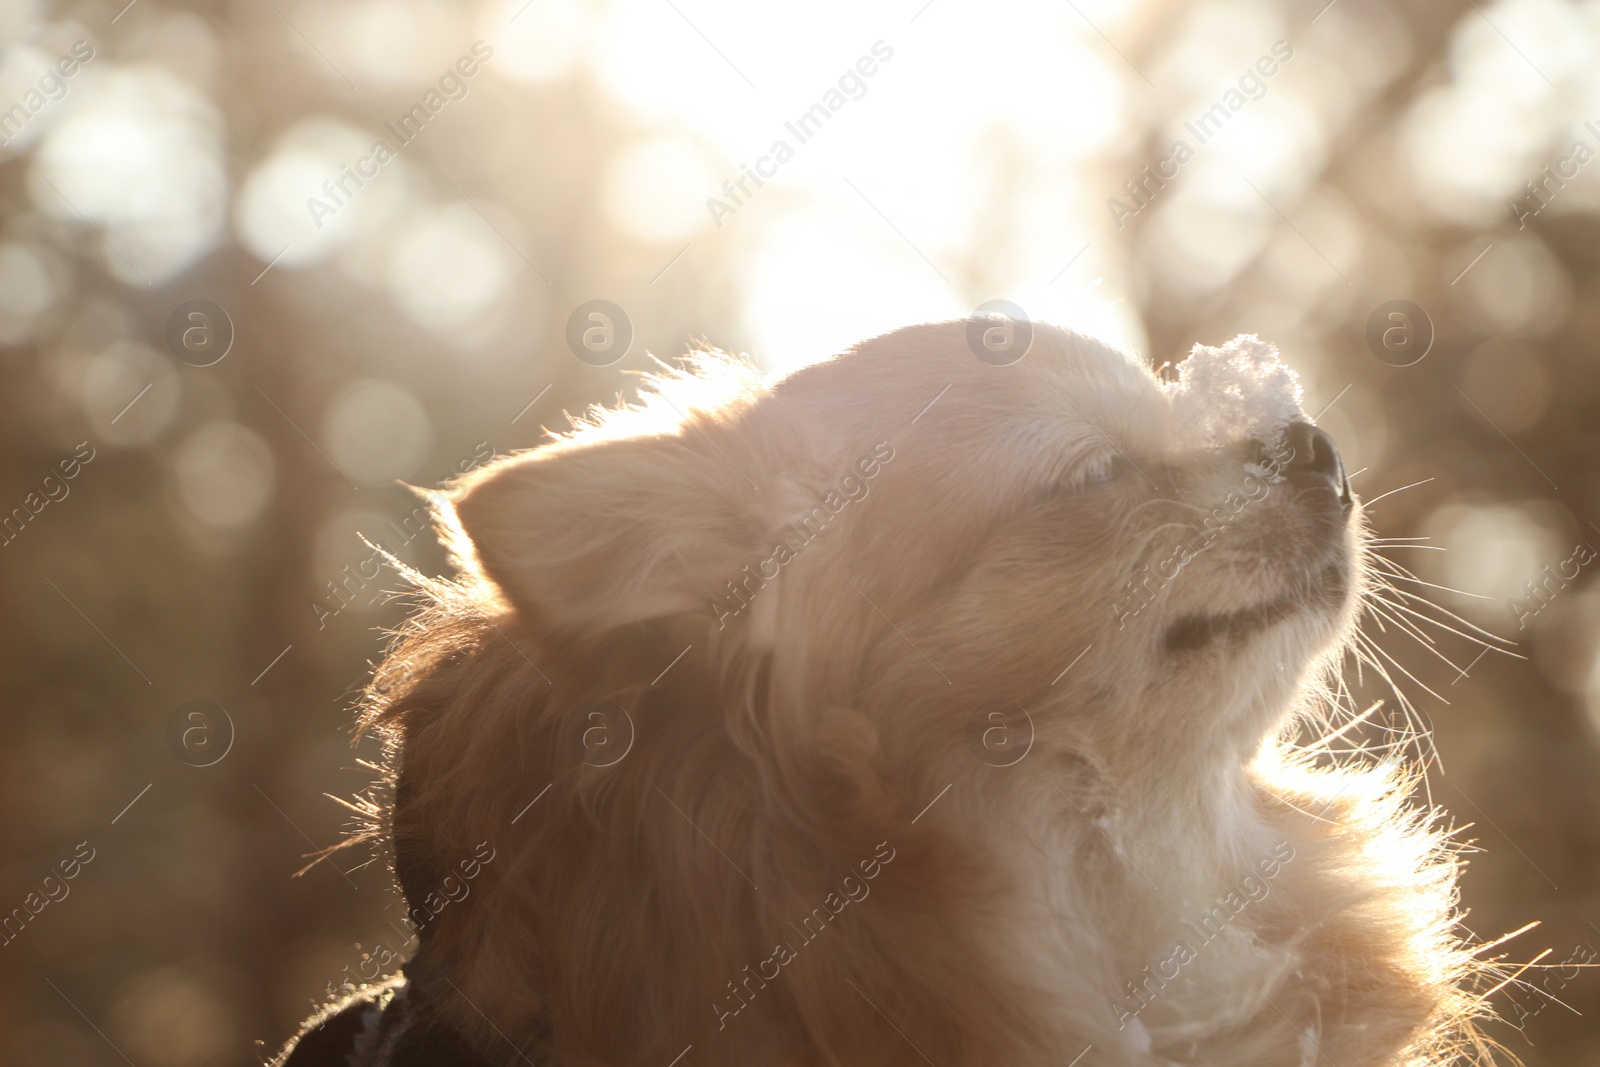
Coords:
1030,911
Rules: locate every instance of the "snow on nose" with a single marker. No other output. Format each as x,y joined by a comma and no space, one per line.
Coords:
1242,390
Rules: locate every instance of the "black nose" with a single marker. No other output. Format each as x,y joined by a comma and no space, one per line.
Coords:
1315,458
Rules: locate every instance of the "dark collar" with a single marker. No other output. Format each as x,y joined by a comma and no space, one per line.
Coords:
379,1026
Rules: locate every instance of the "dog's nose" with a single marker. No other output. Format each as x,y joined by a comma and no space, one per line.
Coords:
1316,458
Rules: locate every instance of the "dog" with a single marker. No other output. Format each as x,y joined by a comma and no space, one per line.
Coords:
920,707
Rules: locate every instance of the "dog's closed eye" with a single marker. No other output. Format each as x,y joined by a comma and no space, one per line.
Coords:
1103,473
1113,470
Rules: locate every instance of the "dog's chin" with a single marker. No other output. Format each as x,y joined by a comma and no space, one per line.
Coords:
1319,595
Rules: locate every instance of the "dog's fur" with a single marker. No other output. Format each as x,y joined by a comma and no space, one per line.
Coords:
812,755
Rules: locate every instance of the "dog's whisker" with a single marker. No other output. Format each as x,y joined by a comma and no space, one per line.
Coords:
1420,617
1487,639
1366,505
1411,621
1326,739
1394,566
1420,733
1441,588
1378,606
1428,643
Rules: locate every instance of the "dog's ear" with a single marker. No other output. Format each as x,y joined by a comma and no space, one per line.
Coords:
588,536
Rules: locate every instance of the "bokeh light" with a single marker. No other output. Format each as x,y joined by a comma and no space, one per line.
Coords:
400,316
224,474
377,431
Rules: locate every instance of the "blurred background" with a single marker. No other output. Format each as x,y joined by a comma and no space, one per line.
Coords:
229,324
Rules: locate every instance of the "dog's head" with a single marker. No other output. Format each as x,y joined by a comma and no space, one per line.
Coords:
779,618
909,530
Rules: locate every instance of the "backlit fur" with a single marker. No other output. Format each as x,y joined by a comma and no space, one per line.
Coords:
815,849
